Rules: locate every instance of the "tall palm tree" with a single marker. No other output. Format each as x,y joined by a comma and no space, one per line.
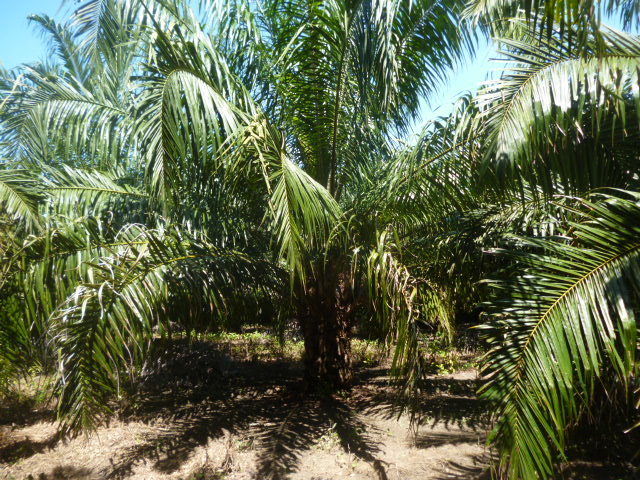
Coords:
174,167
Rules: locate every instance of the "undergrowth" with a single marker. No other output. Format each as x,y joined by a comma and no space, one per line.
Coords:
22,393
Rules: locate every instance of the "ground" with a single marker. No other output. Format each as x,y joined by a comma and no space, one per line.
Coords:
235,408
205,414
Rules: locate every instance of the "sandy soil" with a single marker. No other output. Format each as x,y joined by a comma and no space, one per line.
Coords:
251,421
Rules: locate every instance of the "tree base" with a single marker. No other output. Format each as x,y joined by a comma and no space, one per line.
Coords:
327,342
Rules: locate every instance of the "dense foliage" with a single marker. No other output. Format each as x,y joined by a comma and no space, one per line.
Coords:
172,167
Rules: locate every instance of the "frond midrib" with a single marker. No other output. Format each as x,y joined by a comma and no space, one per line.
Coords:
19,198
545,316
97,189
181,258
81,101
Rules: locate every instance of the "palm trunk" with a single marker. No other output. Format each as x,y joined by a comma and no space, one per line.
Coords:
327,320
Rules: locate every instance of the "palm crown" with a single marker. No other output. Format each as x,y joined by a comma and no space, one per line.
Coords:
290,107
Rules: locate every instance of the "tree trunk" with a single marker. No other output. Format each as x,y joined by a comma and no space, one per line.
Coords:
327,318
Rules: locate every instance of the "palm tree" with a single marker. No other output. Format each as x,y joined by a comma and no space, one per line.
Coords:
172,167
551,150
568,124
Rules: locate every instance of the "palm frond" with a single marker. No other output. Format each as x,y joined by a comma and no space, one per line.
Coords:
575,20
102,24
106,327
62,45
555,112
301,212
191,104
20,196
400,302
559,325
88,192
39,272
59,117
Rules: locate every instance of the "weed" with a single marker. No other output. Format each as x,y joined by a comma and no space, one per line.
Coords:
21,394
243,444
368,352
445,358
330,439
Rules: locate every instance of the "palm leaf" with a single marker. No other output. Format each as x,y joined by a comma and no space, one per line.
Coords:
555,112
87,192
575,20
105,328
301,212
191,104
20,196
567,319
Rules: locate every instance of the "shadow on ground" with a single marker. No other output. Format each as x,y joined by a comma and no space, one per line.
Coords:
450,401
25,448
479,470
65,472
267,399
196,393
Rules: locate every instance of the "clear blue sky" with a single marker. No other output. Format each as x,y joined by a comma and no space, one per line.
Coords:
466,77
19,42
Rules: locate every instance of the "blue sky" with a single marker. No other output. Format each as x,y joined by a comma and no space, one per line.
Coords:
463,78
20,42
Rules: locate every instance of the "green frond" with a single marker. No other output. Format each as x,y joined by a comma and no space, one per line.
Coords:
565,320
576,20
62,45
102,25
20,196
557,112
87,192
60,119
105,329
301,212
39,272
191,104
400,301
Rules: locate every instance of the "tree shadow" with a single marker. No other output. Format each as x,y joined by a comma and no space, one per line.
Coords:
196,393
25,448
67,472
448,401
265,399
302,424
578,470
480,469
438,439
21,413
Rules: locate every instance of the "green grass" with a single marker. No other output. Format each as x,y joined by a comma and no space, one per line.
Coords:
265,346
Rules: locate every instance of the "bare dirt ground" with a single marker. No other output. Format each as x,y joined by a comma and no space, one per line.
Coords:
209,417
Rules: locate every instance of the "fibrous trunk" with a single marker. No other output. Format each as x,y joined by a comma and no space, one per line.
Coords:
327,317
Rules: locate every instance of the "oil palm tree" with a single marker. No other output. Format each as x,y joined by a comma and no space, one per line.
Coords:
551,148
172,167
568,123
